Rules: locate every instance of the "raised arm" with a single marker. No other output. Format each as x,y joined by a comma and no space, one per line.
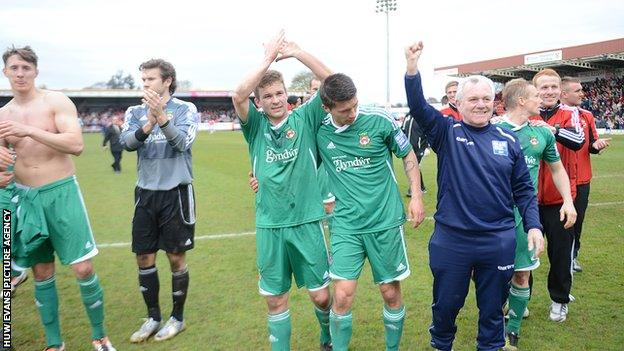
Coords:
562,183
68,140
291,49
240,98
428,118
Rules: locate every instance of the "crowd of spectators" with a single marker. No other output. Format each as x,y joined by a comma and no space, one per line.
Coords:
96,121
604,97
218,114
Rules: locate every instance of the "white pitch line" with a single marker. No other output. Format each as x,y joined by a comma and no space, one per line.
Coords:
202,237
607,203
608,176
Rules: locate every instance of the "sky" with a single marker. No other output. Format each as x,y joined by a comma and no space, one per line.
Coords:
215,44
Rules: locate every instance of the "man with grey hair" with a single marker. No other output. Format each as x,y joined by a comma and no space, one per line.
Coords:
474,229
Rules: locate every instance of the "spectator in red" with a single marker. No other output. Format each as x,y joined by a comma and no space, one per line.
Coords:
572,96
450,91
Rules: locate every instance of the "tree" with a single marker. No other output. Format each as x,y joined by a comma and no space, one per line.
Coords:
301,81
118,81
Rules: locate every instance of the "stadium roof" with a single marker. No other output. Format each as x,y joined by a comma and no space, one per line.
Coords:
573,60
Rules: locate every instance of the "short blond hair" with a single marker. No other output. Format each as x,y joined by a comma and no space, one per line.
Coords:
450,84
513,90
549,72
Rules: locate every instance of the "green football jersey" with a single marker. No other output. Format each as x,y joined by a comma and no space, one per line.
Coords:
324,187
537,144
358,159
284,161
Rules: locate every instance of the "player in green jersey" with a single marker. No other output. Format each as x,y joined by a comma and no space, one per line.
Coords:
521,100
356,146
282,148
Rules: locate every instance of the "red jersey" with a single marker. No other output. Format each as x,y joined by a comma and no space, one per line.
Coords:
584,162
452,112
547,193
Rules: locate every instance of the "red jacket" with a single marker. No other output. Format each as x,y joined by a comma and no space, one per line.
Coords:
591,133
547,191
452,112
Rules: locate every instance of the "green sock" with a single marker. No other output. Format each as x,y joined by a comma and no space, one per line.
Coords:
341,326
393,323
279,331
518,301
46,300
323,319
93,299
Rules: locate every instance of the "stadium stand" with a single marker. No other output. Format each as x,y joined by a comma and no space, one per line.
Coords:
599,66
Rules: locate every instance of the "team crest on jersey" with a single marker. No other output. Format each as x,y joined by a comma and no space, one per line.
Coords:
169,114
364,139
499,147
534,141
290,134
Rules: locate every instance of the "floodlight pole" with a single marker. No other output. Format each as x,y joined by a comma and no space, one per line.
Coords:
387,6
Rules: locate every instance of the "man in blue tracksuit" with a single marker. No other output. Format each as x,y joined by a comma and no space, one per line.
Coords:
481,175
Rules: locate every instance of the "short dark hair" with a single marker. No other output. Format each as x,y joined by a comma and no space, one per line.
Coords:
337,87
568,80
292,99
26,53
166,71
270,77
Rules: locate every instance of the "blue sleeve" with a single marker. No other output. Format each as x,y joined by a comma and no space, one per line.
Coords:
523,192
434,124
127,137
182,128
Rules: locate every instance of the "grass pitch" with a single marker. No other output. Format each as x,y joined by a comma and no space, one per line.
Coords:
224,310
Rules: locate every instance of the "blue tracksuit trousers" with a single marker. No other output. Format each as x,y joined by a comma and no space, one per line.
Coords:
453,257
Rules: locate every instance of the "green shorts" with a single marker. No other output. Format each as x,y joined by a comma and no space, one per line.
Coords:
283,252
385,250
525,259
55,210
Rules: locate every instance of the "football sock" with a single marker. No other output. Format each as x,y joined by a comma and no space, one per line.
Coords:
179,290
93,300
341,326
323,319
46,299
150,286
279,331
518,301
393,323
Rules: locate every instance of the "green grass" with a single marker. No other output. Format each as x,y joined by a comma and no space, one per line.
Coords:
224,310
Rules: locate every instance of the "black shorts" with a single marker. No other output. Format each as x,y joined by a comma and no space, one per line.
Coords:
163,220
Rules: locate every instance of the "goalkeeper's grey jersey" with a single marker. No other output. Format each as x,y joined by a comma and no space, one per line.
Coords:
164,158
